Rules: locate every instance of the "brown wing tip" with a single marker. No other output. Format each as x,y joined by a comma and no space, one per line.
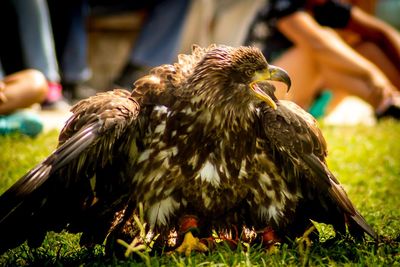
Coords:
364,225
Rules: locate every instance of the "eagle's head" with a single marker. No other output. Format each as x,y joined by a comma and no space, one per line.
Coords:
232,75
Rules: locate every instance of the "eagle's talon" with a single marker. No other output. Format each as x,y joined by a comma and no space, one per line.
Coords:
270,240
189,244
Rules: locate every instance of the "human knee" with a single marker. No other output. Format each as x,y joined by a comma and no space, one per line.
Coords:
368,49
37,82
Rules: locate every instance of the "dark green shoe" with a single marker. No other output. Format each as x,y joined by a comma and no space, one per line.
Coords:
21,122
318,107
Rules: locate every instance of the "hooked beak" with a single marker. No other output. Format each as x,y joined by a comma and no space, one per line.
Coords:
272,73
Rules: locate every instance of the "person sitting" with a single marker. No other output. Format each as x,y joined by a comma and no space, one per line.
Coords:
30,45
299,36
17,91
166,18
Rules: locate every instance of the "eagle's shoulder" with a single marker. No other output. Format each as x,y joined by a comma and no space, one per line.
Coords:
306,121
114,109
293,129
166,82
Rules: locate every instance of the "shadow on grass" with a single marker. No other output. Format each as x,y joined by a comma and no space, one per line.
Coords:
64,250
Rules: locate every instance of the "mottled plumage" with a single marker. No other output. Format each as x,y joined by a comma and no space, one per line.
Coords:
203,137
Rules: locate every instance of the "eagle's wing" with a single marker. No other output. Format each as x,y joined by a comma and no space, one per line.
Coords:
62,187
295,136
83,184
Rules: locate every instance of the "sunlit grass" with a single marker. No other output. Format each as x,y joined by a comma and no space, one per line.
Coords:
365,159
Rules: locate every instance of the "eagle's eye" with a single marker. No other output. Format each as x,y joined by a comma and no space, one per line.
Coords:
249,72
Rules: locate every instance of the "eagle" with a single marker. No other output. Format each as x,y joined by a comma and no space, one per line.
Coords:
200,144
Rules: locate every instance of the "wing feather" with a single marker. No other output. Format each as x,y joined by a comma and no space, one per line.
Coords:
86,147
304,148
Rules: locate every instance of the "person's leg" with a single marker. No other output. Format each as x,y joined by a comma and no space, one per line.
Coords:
308,78
37,38
384,101
158,42
38,47
23,89
17,91
69,25
71,40
374,54
304,74
352,85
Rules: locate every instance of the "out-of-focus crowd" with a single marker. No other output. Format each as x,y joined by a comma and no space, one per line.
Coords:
331,48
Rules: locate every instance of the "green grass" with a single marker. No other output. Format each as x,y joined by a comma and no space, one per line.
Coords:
365,159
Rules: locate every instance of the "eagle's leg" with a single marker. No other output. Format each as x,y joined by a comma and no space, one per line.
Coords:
187,227
305,241
270,240
304,245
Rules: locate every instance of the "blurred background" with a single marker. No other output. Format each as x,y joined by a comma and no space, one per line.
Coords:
88,46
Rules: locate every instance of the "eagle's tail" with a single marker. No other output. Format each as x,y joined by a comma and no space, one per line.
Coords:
355,220
39,201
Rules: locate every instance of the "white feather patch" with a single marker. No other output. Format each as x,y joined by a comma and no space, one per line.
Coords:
210,174
160,212
160,128
269,213
161,109
263,213
145,155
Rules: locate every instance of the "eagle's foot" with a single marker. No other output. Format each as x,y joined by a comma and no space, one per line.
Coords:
191,243
187,226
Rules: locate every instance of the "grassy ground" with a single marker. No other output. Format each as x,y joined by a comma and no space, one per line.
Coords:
365,159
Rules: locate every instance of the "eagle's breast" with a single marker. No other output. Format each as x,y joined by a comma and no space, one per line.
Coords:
188,162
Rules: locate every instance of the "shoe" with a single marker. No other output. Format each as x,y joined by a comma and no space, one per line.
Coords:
54,93
22,122
321,102
392,111
130,73
54,99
